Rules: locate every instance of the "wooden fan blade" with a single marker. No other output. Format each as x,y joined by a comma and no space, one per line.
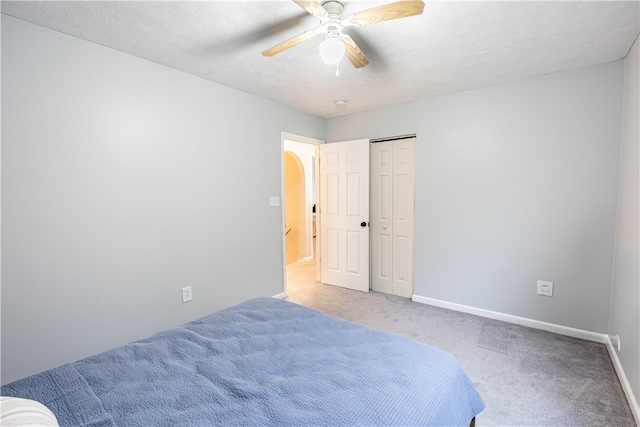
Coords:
288,43
355,55
313,7
399,9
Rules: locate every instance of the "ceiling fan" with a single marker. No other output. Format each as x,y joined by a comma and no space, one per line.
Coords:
337,43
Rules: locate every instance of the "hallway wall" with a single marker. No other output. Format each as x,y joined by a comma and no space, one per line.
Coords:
306,153
294,197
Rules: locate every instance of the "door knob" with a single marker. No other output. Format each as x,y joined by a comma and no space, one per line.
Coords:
363,224
384,227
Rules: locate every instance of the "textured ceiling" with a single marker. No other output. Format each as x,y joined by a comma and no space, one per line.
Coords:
451,47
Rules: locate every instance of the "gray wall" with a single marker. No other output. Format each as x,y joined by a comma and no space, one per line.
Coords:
625,307
123,181
514,183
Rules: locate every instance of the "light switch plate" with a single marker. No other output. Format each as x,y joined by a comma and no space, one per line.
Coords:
274,201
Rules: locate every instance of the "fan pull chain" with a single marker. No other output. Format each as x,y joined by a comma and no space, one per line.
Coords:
337,70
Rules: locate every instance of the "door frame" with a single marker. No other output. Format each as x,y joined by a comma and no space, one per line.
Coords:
308,140
304,140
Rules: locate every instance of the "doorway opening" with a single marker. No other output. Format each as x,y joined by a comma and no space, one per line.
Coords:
299,190
294,209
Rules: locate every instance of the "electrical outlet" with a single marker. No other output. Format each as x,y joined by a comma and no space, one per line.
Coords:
186,294
615,340
545,288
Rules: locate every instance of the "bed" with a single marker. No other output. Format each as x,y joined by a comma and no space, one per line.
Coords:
263,362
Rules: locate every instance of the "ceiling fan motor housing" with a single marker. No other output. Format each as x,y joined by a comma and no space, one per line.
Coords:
334,10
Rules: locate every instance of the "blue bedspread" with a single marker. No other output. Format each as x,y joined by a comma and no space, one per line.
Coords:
262,362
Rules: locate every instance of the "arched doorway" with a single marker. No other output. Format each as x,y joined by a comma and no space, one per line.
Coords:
294,209
300,270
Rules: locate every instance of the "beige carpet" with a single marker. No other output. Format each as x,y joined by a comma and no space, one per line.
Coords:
526,377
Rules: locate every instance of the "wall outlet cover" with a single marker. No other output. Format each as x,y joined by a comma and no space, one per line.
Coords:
615,340
545,288
187,294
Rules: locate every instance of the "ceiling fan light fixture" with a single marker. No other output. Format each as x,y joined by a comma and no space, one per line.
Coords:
332,50
337,44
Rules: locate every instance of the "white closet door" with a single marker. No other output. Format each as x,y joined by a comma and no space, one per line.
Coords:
403,215
392,216
344,214
381,221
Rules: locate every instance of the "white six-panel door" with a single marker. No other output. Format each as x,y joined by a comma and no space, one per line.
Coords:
392,216
344,208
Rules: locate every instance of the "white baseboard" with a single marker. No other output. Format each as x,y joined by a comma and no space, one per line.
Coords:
523,321
628,392
550,327
282,295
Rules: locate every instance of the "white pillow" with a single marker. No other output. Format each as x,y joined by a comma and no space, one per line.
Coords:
16,412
